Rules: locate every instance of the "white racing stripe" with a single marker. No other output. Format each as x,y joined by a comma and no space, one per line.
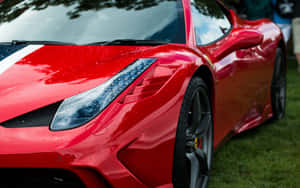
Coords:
17,56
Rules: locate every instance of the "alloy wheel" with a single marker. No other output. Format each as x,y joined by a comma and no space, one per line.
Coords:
199,140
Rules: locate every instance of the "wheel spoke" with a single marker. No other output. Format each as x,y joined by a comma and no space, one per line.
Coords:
277,99
203,125
200,118
279,84
280,94
198,139
194,169
281,99
203,164
196,114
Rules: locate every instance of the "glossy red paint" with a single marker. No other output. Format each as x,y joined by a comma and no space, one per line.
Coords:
131,143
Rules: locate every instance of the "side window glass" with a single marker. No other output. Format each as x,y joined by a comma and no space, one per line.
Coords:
211,24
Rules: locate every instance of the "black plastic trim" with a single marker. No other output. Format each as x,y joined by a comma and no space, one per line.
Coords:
38,118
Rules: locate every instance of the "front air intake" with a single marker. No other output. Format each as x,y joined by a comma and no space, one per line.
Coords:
37,118
38,178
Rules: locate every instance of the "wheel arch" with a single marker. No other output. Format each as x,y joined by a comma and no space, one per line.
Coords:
205,73
282,46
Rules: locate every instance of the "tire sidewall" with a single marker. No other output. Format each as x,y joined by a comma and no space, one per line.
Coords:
277,70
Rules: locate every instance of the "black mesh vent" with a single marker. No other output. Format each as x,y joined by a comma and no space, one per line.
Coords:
7,50
38,178
37,118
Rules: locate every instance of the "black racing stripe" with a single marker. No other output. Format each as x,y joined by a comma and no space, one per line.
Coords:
7,50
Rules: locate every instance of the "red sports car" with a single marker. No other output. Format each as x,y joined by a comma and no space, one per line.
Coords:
129,94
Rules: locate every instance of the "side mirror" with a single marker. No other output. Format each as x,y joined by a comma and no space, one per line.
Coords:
239,39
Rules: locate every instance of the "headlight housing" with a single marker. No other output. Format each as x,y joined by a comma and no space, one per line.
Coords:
82,108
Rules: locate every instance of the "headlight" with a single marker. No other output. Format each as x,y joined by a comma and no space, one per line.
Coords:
82,108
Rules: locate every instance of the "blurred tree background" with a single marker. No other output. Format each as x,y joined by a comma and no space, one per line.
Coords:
11,9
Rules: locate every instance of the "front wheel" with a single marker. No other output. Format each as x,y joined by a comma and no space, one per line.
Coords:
194,138
278,90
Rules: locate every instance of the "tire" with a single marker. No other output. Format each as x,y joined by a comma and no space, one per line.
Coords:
278,89
194,138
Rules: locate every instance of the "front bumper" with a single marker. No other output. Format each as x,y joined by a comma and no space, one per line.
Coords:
38,156
130,144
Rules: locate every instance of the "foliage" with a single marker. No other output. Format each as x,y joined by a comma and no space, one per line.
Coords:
11,9
208,8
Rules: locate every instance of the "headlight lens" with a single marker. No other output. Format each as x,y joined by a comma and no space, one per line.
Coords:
82,108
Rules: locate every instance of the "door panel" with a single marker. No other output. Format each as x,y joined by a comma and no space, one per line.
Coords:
241,89
237,85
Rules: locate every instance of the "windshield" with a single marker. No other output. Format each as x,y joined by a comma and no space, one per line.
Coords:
88,21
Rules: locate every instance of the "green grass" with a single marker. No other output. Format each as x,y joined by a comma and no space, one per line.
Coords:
266,156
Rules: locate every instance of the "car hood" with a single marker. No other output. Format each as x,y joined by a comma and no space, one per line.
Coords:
35,76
